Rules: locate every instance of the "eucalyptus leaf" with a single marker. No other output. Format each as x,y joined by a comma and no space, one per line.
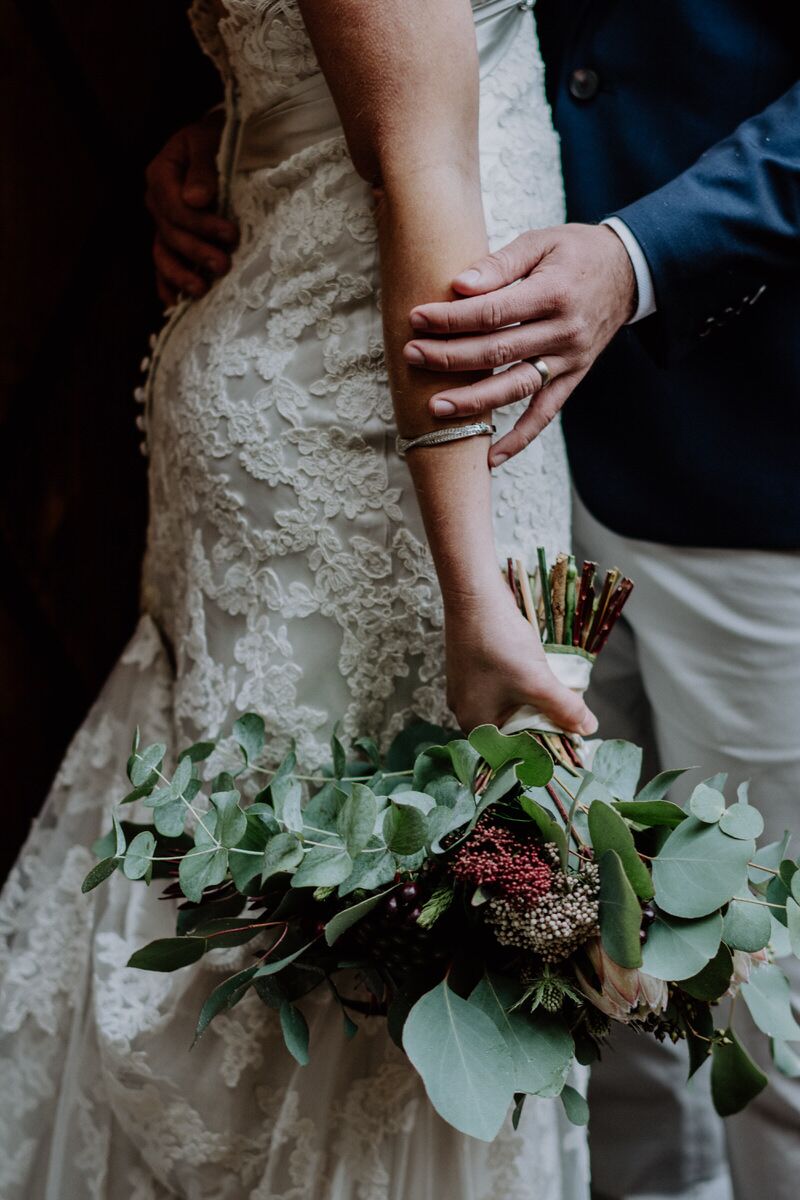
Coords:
323,866
735,1078
198,752
677,949
620,913
465,759
273,967
99,873
540,1045
139,855
169,819
287,795
699,869
338,755
747,926
370,871
768,857
442,821
707,804
146,762
785,1058
535,764
405,829
742,821
282,854
575,1105
658,787
119,834
243,865
295,1032
793,925
199,869
357,817
653,813
168,954
463,1060
714,979
370,748
608,831
250,734
413,799
768,997
231,821
183,773
348,917
618,764
223,998
549,828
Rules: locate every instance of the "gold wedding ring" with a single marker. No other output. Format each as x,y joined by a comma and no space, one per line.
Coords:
541,366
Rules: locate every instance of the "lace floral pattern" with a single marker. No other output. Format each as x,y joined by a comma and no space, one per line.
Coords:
286,572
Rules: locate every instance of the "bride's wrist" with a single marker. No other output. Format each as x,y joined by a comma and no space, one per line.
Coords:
478,597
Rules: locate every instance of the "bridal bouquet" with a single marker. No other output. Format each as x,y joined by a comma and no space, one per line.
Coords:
499,899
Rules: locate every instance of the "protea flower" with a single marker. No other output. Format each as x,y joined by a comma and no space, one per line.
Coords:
626,994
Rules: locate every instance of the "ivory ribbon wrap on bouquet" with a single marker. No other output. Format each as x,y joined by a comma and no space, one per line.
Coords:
572,669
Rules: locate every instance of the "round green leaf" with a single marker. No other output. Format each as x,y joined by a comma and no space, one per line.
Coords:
714,979
742,821
658,813
405,829
146,762
323,866
357,817
201,868
463,1061
231,821
139,855
769,1000
249,733
699,869
618,764
541,1047
747,926
282,853
707,804
676,949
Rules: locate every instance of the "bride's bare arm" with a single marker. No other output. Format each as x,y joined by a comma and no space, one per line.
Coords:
404,76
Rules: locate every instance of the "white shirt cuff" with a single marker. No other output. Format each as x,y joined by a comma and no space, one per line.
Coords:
646,303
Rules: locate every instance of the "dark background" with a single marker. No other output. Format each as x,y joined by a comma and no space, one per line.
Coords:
88,94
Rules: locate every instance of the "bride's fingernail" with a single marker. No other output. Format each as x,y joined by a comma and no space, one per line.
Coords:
443,408
499,459
412,354
588,727
418,321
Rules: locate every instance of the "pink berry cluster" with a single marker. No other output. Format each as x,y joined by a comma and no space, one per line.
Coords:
509,863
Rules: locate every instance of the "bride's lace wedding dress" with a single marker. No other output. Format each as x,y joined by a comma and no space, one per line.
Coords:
286,573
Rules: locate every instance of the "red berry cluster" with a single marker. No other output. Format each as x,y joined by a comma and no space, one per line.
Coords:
498,857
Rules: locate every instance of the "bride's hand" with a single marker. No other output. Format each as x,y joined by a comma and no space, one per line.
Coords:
495,664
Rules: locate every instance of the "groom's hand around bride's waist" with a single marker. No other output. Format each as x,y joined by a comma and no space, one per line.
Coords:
557,295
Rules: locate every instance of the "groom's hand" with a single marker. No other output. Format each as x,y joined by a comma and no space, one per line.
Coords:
555,294
192,244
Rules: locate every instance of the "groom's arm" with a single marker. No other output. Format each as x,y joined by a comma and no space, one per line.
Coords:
711,239
725,229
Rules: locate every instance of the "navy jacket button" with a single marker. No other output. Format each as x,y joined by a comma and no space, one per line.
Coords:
584,83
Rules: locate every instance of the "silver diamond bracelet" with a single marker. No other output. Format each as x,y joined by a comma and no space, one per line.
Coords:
438,437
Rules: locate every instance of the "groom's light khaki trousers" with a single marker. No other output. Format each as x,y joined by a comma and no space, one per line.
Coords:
705,671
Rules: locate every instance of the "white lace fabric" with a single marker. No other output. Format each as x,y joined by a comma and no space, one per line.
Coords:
287,572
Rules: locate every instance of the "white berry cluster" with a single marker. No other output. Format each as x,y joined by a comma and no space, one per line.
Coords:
558,923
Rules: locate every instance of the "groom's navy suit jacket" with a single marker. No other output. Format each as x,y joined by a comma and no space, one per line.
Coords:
682,117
